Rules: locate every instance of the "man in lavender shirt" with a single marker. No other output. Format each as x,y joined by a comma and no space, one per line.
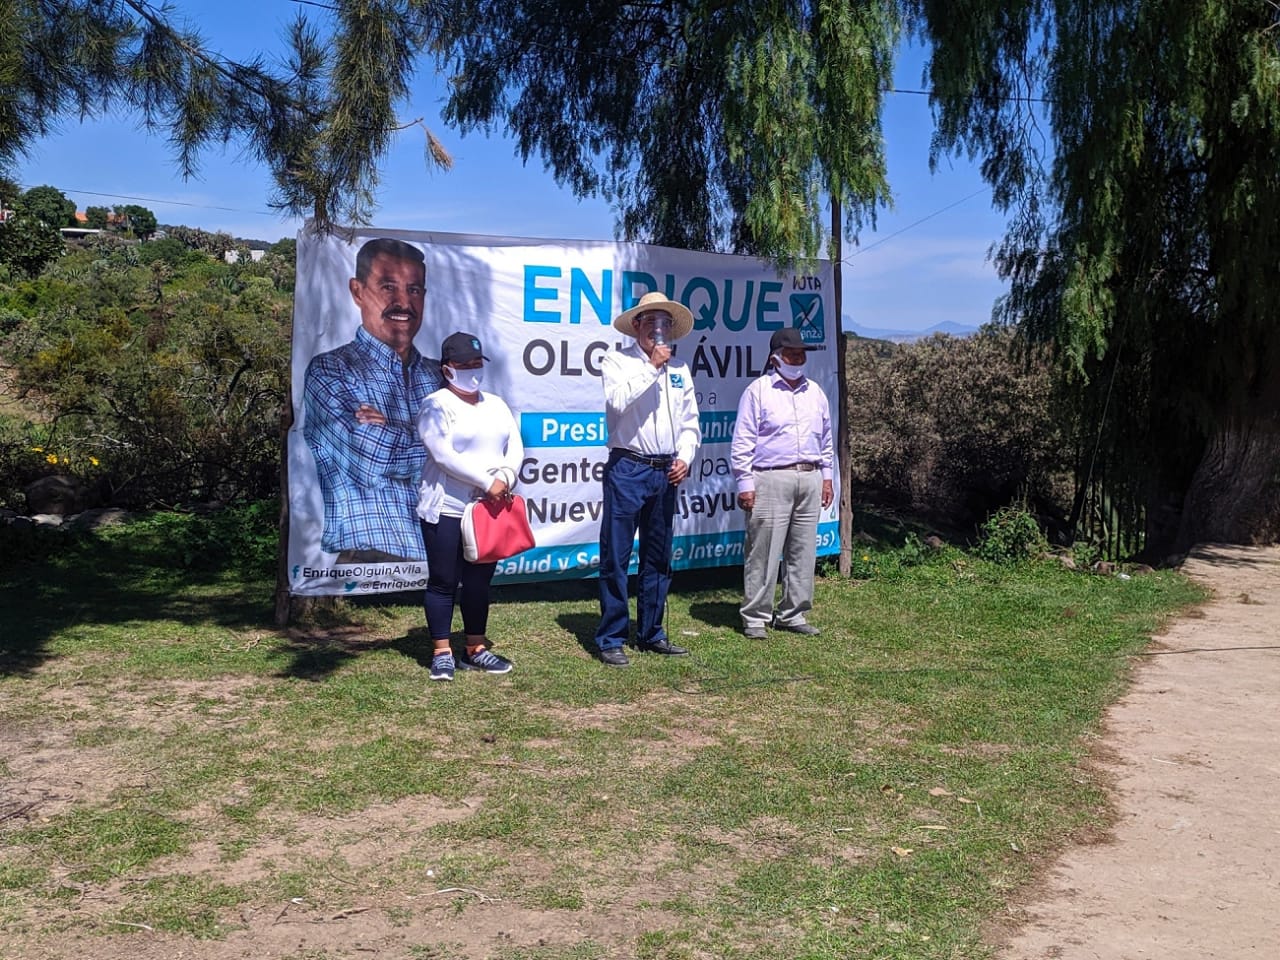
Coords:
782,457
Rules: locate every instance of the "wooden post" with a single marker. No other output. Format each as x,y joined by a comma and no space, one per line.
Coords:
842,401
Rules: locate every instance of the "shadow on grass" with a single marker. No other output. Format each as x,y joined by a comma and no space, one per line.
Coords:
582,627
684,583
332,633
331,637
55,581
717,613
315,658
64,580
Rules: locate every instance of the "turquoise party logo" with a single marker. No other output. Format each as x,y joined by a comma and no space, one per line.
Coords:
807,317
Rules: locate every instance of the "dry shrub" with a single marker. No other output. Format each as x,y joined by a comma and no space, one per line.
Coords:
954,428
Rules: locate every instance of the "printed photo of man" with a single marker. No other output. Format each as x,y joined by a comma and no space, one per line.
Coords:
361,402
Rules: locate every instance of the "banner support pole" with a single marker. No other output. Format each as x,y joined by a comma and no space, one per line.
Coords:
842,401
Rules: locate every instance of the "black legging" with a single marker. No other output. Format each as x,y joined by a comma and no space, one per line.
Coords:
446,571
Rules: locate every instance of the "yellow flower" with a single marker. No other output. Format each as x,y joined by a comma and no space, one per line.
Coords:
94,461
37,449
64,460
865,558
51,458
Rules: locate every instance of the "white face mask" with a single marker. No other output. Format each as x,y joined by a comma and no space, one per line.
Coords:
788,371
468,381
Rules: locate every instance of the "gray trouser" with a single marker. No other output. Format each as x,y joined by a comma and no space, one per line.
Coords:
782,526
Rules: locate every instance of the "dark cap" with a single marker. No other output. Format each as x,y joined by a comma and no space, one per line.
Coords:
459,348
788,338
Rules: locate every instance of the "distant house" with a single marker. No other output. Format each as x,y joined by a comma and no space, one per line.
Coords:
75,233
233,256
115,220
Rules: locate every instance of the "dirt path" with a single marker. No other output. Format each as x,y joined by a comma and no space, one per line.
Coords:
1193,869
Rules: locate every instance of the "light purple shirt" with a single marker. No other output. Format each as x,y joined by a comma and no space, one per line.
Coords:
779,425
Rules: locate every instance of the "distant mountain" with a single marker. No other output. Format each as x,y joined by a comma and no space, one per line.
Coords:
952,328
948,327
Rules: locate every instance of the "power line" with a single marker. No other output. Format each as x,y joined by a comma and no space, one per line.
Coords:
909,226
1003,99
176,203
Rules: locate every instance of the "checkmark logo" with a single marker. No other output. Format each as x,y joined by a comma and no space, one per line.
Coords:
807,317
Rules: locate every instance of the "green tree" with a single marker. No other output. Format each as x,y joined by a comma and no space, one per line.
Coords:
321,119
708,125
139,220
1146,193
47,205
27,245
96,217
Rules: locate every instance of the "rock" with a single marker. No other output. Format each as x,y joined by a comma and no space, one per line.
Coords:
1066,561
47,519
1141,568
934,542
99,517
1104,567
55,495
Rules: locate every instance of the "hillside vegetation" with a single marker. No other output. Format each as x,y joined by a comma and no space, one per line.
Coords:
154,373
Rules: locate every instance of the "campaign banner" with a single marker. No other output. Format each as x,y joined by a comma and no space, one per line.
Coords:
543,310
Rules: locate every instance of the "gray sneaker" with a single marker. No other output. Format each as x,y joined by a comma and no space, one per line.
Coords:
754,631
442,666
485,660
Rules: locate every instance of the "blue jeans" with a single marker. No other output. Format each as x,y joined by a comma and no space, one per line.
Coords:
636,497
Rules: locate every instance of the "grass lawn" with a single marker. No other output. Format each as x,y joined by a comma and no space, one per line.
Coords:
173,768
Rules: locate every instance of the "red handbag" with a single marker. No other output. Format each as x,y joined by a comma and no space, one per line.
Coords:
495,530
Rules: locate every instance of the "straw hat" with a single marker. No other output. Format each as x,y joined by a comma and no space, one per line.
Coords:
681,318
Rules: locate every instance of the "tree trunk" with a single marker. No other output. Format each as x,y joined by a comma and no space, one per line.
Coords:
284,606
1234,495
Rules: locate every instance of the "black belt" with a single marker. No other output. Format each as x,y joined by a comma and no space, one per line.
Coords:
801,467
657,463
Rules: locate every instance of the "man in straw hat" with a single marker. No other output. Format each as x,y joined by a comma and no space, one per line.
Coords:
652,416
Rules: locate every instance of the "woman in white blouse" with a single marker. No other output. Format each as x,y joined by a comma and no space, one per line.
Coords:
475,451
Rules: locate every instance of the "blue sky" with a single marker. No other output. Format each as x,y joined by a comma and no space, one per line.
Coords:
905,275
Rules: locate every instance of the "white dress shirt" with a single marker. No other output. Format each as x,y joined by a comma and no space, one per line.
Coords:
649,410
